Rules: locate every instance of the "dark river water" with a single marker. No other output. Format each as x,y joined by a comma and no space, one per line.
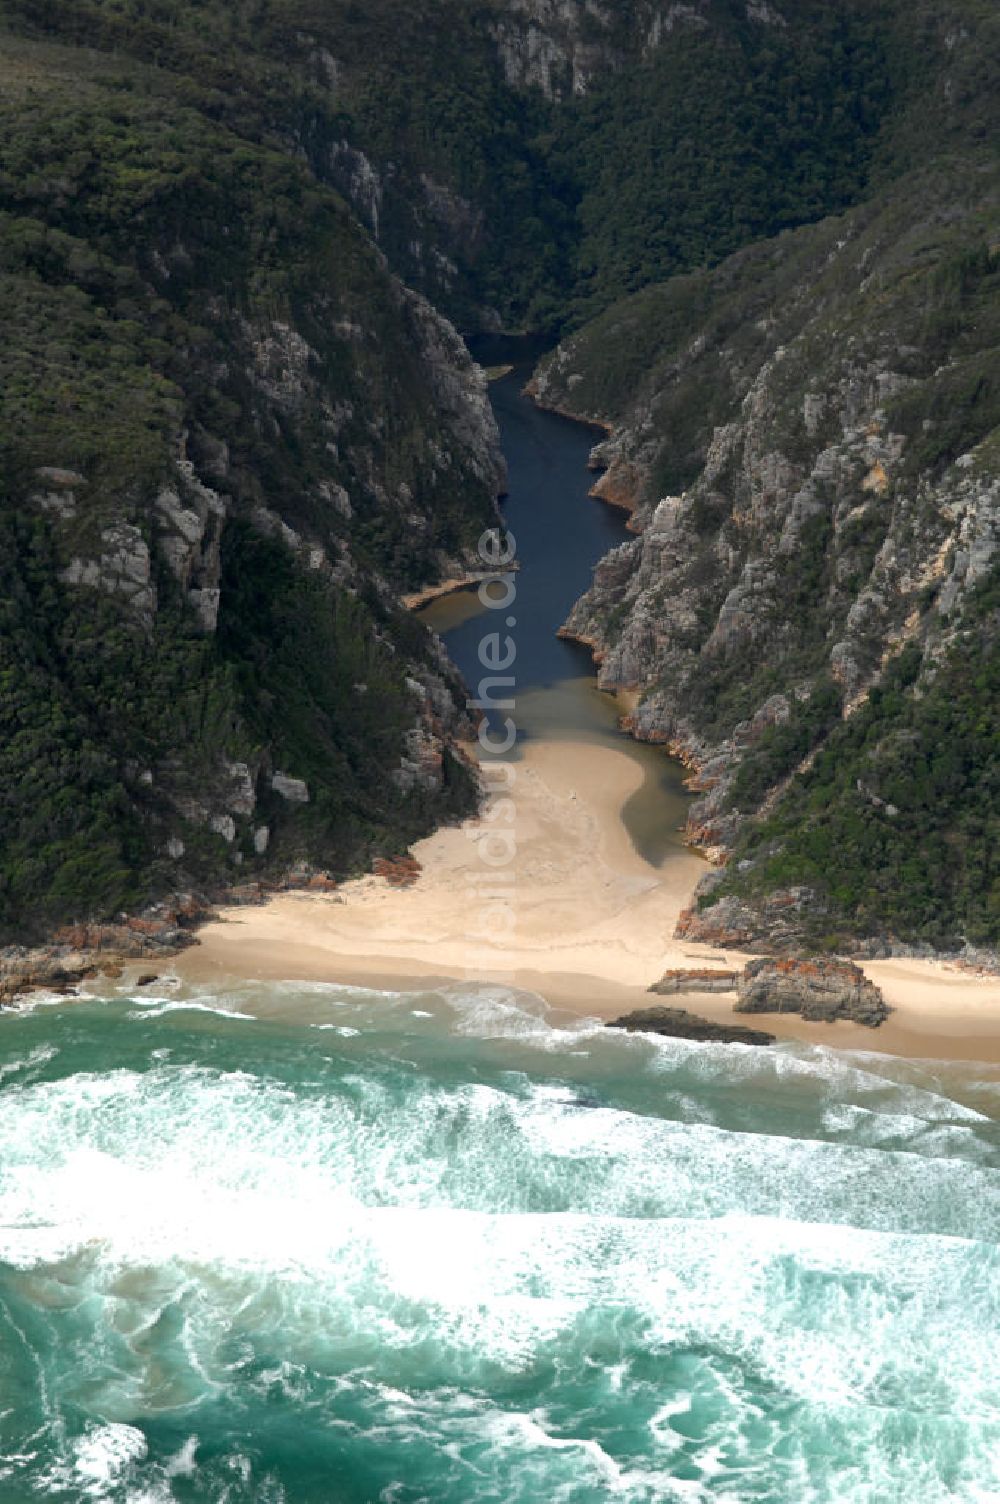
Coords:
561,532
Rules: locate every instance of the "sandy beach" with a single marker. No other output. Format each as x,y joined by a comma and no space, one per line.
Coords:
545,892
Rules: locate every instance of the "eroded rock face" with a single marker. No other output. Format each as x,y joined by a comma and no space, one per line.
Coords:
359,180
774,923
242,797
560,46
460,390
821,990
812,546
122,569
295,790
224,826
421,766
677,1023
189,520
58,490
695,979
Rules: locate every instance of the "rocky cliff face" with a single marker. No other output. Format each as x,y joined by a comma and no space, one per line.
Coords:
230,438
560,46
180,528
807,439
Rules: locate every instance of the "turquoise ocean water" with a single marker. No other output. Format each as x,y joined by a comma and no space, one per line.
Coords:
302,1243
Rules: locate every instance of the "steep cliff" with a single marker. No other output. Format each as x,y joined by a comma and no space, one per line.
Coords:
809,434
229,436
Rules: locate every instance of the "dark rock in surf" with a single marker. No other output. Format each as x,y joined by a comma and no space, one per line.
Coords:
677,1023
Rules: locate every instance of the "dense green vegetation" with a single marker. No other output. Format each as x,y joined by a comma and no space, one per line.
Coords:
87,705
896,825
723,137
317,684
674,156
783,747
168,284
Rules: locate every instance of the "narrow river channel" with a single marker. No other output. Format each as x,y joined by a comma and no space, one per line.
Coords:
561,533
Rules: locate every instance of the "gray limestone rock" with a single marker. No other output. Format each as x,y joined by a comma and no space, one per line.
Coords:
292,789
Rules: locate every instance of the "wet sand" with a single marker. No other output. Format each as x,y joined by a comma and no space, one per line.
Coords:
545,891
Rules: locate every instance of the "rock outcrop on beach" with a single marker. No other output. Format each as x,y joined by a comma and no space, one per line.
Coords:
677,1023
821,990
695,979
80,952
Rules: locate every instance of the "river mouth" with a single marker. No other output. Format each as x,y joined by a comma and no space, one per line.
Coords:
323,1241
561,533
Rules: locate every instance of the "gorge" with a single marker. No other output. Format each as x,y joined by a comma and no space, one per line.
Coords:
614,1118
239,242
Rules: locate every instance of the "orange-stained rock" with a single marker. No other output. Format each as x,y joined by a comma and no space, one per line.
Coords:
400,871
820,988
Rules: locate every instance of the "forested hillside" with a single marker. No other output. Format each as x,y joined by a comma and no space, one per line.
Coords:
522,163
811,433
228,436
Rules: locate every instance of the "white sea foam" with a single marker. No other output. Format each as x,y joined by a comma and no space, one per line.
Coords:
233,1139
158,1007
338,991
40,1055
213,1215
716,1237
104,1453
29,1002
97,1463
183,1463
495,1012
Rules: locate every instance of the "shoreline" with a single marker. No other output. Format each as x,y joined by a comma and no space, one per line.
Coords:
418,598
593,923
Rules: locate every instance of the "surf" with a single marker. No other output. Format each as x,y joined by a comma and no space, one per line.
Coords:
428,1246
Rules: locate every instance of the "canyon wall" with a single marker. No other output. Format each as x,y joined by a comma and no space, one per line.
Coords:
809,437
